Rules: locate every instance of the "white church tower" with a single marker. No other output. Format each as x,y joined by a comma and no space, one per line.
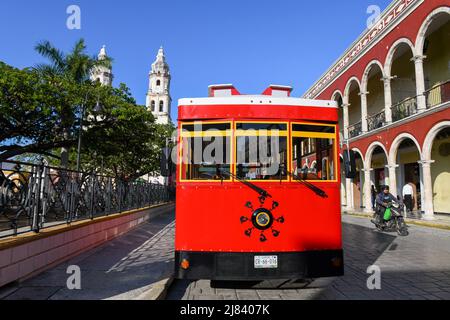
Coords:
158,96
102,74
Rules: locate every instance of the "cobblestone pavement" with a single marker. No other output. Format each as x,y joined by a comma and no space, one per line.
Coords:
415,267
121,269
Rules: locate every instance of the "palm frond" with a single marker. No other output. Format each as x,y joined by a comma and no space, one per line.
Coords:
79,48
48,70
47,50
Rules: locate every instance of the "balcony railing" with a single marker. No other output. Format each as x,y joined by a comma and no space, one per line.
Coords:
438,94
404,109
33,197
355,130
376,121
435,96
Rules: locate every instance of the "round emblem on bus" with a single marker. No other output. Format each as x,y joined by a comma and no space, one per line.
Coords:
262,219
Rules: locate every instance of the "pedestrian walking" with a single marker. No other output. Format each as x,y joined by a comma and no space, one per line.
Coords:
373,192
408,196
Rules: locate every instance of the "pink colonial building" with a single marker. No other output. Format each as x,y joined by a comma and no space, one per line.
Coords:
393,89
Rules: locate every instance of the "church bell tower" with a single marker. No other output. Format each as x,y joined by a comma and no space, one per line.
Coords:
158,97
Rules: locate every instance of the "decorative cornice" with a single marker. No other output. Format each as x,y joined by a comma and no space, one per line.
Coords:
388,20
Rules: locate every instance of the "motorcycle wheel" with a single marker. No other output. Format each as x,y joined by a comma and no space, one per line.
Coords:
402,229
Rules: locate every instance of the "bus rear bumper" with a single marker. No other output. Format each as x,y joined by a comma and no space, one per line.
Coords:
241,266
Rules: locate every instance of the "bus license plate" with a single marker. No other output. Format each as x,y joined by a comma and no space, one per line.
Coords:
266,262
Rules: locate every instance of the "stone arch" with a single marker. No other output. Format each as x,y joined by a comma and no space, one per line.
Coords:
393,151
421,36
339,98
365,77
390,56
352,99
348,85
428,142
370,150
335,95
360,154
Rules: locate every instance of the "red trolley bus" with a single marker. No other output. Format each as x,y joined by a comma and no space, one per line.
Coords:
258,187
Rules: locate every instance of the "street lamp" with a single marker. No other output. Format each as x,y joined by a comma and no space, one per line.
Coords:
97,108
80,131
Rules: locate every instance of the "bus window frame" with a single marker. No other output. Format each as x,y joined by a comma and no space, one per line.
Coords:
317,135
282,133
201,134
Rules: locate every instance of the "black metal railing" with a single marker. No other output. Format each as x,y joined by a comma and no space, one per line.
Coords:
404,109
355,130
376,121
33,197
438,94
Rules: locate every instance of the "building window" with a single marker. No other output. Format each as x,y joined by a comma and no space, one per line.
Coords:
153,105
158,83
161,106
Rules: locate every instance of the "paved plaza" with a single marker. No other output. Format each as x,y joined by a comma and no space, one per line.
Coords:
414,267
122,269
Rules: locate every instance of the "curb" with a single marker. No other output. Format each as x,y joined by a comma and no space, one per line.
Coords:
158,291
409,221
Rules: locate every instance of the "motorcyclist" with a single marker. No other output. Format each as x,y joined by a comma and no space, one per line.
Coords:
382,202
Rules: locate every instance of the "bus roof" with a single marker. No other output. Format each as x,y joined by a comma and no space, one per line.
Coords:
252,100
225,102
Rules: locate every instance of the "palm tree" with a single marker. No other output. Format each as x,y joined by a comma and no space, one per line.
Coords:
75,66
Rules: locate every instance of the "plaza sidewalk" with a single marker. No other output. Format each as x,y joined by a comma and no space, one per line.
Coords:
133,266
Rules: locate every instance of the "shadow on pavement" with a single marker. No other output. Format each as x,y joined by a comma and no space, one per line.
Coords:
362,248
120,269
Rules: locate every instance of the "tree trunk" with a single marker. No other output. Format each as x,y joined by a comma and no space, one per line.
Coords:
65,151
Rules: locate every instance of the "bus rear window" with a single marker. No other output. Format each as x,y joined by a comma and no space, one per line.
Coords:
261,151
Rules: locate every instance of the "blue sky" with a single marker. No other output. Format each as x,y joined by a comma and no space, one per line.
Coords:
248,43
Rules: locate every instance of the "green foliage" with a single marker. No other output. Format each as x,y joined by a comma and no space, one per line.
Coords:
40,111
75,65
33,111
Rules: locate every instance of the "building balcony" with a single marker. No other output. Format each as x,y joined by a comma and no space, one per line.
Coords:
437,96
376,121
355,130
404,109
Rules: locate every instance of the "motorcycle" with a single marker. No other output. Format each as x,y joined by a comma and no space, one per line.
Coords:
395,223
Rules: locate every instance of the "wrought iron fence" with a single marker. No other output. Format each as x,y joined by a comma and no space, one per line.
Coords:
404,109
33,197
376,121
437,95
355,130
